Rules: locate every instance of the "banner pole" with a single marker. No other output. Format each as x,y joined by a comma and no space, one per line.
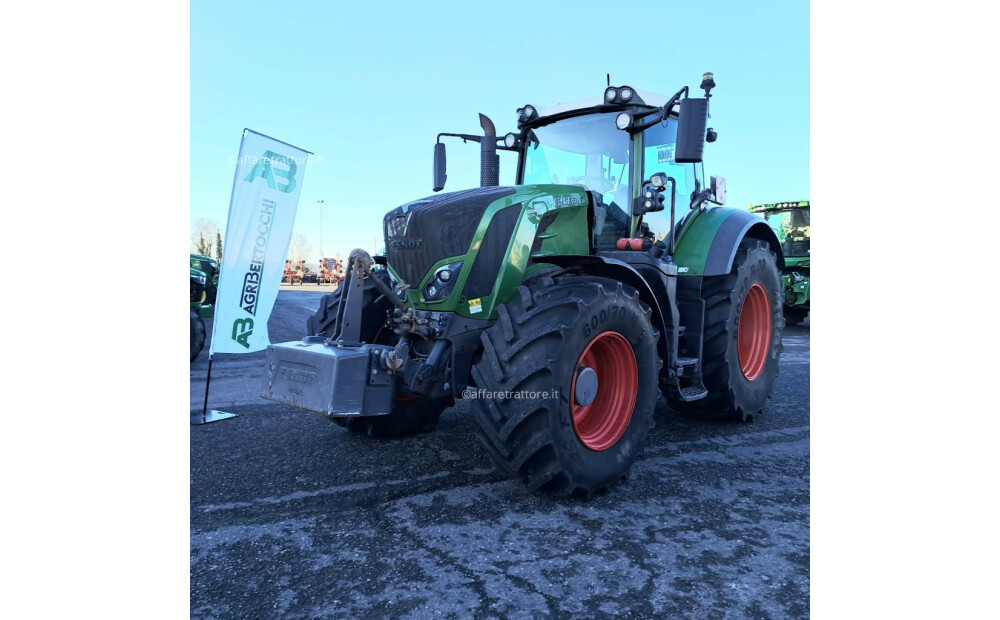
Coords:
208,416
208,382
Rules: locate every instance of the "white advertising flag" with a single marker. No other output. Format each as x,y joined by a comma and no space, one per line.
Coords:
266,190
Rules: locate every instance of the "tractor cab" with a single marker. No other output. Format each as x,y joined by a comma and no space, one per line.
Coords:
790,223
612,146
578,143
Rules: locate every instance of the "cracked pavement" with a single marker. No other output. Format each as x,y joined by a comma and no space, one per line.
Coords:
292,517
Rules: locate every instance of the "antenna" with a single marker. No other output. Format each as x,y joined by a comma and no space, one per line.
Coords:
609,79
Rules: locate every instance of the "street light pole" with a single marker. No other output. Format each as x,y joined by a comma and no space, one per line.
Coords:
320,203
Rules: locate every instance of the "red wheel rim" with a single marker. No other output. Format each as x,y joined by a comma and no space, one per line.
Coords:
753,337
601,423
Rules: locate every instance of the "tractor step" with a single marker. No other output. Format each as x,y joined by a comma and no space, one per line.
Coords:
692,393
689,367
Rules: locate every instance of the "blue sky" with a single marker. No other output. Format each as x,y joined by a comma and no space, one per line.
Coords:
367,87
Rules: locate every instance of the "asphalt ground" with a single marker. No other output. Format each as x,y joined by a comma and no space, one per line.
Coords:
292,517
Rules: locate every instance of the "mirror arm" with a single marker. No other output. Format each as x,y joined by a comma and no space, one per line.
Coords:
701,198
659,113
463,136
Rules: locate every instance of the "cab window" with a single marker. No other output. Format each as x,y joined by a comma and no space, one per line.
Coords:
659,142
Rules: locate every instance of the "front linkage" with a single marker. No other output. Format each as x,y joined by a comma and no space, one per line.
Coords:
320,373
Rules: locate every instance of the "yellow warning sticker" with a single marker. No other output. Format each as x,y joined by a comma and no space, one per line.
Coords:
475,305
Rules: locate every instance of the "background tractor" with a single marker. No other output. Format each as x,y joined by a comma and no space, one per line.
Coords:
790,222
562,306
293,274
208,267
331,271
198,308
204,286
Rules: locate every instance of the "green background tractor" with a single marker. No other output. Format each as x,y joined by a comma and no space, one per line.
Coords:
204,285
790,222
562,306
208,267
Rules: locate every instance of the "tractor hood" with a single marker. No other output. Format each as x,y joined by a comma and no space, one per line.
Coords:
420,233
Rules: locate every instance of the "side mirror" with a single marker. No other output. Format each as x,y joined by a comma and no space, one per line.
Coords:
719,190
440,167
691,131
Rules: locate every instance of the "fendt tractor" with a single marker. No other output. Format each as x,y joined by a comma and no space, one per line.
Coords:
561,306
790,222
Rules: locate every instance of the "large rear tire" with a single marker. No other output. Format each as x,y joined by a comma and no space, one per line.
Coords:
743,327
567,384
410,415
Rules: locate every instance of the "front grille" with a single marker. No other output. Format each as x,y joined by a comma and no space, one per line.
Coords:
421,233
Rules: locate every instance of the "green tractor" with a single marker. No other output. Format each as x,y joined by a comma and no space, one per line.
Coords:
562,306
204,286
198,296
208,267
790,222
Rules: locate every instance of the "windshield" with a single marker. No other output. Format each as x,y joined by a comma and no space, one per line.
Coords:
590,151
792,228
585,150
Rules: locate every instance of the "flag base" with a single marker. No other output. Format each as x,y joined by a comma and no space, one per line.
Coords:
207,417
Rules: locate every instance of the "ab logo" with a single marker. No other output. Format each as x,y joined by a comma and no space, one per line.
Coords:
242,330
264,169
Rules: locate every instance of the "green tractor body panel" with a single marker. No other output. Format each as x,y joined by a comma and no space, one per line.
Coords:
561,209
796,289
707,240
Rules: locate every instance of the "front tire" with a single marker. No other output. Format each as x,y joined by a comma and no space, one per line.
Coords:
567,384
410,415
197,335
742,342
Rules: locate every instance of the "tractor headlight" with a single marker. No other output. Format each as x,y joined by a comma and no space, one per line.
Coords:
510,140
442,283
525,114
623,120
200,280
610,94
625,93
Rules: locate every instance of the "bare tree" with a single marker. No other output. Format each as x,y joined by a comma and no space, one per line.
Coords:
218,247
300,249
202,234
